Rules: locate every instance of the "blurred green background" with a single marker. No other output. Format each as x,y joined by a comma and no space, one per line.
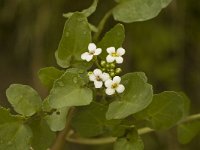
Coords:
166,48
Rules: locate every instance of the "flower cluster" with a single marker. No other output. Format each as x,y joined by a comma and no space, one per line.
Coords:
106,74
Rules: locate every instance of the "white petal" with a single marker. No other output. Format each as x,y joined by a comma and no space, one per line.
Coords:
98,84
120,51
119,60
117,79
97,72
89,57
110,50
110,91
105,76
98,51
84,55
120,88
92,47
108,83
92,77
110,59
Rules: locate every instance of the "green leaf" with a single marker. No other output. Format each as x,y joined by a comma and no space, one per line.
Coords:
137,96
124,144
83,74
57,120
14,135
69,90
90,120
46,106
131,142
138,10
166,109
87,12
186,104
113,38
165,3
48,75
75,39
187,131
42,135
24,99
74,63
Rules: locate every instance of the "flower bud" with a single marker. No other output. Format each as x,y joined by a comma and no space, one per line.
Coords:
103,63
112,74
112,65
111,70
118,70
103,69
107,65
90,72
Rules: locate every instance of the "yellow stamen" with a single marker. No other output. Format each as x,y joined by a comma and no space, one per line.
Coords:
98,78
115,85
114,54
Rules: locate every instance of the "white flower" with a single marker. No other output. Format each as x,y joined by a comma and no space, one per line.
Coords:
98,77
114,85
93,51
114,55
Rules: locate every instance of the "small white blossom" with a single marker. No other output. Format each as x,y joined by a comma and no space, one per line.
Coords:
98,77
93,51
114,55
114,85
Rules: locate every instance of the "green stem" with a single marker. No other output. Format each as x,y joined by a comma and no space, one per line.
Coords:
107,140
89,141
145,130
191,118
99,141
97,63
102,24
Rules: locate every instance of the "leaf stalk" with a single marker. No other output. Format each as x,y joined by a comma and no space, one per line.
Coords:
109,140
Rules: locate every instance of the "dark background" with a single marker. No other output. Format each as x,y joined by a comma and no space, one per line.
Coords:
166,48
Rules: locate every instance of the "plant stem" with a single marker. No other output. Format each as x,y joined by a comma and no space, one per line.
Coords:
107,140
102,24
145,130
60,139
90,141
97,63
191,118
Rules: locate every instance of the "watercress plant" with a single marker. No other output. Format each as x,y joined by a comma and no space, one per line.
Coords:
90,100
